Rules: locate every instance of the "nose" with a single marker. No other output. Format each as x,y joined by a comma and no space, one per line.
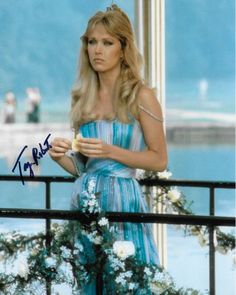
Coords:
98,48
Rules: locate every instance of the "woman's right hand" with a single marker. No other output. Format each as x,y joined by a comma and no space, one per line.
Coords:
59,147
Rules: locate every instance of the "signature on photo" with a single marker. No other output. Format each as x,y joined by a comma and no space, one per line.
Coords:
37,154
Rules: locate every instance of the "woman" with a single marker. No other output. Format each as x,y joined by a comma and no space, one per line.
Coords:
120,122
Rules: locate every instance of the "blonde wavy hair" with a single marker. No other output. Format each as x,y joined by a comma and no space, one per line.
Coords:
85,91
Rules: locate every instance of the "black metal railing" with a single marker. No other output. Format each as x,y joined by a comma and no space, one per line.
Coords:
211,221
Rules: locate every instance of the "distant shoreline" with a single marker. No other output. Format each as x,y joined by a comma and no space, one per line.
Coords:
13,136
200,133
172,115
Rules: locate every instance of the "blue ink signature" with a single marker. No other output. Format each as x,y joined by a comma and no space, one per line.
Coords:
37,154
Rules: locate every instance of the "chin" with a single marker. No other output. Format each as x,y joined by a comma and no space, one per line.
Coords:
98,68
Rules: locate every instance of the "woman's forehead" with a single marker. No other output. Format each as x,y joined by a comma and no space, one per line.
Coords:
99,30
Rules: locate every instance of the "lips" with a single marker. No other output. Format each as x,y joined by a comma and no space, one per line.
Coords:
98,60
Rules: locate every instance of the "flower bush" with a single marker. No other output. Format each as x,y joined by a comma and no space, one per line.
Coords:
175,202
65,261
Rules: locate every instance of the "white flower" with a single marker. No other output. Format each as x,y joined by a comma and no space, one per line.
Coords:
123,249
156,276
194,231
215,239
91,186
35,251
103,221
159,191
173,195
164,175
147,271
120,280
79,246
50,262
221,250
131,286
65,270
201,240
23,268
139,174
174,212
94,238
66,253
116,263
92,203
128,274
162,277
97,240
9,237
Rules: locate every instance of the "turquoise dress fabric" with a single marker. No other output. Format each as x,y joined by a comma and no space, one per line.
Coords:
119,190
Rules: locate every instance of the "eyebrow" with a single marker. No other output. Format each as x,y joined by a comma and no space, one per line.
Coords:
106,38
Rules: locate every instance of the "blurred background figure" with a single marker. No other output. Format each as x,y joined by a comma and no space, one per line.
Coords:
9,108
203,88
33,105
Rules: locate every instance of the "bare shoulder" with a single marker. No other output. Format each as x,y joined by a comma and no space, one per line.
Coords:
145,93
148,100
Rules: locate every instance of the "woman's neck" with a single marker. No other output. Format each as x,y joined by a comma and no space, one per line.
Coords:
107,84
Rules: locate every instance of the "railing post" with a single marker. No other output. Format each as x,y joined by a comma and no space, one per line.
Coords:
48,228
211,244
99,284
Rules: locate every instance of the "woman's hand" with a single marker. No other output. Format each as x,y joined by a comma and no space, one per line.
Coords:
94,147
59,147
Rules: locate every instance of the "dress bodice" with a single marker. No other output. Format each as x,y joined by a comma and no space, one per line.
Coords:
125,135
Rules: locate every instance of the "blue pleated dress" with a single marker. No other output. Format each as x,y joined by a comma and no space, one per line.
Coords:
119,190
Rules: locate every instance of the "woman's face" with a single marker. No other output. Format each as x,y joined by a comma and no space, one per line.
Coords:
104,50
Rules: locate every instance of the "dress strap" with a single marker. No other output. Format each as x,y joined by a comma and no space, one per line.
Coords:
150,113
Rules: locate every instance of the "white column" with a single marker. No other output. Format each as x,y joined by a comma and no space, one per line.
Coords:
150,34
157,47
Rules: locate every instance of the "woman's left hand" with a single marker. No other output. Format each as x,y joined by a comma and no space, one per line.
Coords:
94,148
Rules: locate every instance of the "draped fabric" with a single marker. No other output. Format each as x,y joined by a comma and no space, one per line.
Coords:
119,191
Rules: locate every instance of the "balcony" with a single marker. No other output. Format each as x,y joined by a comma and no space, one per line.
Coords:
210,220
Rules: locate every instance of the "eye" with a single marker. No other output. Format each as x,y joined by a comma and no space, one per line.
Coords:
91,41
108,43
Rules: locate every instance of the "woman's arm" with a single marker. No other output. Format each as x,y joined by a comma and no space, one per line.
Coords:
154,158
60,146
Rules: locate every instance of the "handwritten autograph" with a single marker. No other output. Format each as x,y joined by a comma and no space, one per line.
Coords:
37,154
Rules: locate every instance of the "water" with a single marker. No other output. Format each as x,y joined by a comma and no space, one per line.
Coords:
186,94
